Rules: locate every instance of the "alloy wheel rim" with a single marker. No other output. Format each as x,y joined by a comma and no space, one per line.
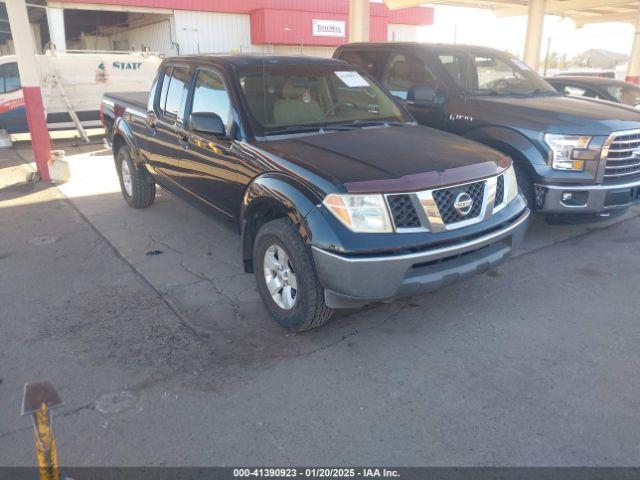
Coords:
280,277
126,177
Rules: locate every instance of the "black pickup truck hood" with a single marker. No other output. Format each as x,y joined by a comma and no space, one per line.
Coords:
380,154
557,114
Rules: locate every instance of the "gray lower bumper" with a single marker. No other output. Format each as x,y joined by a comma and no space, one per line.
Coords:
354,281
588,199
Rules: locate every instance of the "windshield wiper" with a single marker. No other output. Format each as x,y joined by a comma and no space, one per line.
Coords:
371,123
541,92
302,129
492,93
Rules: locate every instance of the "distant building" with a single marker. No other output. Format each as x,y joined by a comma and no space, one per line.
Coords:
175,27
600,58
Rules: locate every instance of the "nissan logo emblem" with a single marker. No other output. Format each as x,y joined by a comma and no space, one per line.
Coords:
463,204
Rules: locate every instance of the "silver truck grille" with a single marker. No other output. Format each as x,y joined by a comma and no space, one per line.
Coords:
621,152
434,210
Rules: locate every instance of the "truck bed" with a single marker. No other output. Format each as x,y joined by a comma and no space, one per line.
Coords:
130,99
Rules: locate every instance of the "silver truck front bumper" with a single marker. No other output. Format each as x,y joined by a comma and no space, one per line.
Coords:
588,199
355,281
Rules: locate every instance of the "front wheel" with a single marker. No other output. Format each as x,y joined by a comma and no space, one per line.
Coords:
138,189
286,277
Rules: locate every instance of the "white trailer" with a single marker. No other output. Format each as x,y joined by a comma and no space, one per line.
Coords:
72,84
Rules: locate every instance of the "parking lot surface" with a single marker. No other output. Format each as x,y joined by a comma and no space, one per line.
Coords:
164,355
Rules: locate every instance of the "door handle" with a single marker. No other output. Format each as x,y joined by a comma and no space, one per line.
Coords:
183,138
151,121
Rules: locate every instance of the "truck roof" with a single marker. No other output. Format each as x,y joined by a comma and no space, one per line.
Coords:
249,60
587,80
421,45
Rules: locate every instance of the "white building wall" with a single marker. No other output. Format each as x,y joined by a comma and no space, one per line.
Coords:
156,36
211,32
402,33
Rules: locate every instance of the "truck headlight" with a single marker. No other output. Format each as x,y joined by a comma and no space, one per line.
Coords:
360,213
562,147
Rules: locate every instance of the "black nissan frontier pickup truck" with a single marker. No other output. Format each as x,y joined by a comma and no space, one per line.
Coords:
340,197
573,156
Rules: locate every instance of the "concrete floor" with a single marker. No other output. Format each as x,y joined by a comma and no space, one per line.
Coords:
164,355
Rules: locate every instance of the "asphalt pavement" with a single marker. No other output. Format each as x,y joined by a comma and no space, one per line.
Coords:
161,349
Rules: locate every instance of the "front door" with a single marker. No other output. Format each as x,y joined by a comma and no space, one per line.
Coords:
405,70
209,167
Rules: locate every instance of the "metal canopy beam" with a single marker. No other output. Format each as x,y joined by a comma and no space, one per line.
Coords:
556,7
629,17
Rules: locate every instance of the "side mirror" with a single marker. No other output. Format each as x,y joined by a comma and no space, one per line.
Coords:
208,123
423,95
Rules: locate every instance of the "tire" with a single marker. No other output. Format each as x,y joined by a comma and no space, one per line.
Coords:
525,185
141,191
308,309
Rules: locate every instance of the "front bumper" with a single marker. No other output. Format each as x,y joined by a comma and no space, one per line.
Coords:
355,281
586,199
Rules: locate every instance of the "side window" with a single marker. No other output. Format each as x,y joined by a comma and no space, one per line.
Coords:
152,95
456,66
210,96
576,91
11,77
370,62
491,70
166,78
404,72
175,91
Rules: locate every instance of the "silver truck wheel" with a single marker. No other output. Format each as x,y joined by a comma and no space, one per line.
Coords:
286,277
126,178
137,186
280,277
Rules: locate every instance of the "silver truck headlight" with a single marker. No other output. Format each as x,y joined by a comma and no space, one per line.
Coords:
360,213
510,185
562,147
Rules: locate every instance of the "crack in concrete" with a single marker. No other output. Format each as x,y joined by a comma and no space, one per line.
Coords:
403,305
68,413
136,272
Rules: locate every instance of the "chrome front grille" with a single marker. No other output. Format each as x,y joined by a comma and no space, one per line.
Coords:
622,154
434,210
403,211
446,197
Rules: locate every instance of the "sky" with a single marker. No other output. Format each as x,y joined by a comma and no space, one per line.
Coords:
482,27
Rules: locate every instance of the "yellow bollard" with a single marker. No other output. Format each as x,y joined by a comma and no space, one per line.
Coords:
45,444
38,400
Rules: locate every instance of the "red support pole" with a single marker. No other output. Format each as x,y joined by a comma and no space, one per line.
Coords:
40,140
25,49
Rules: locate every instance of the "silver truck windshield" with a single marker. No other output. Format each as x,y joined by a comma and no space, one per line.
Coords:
501,75
293,97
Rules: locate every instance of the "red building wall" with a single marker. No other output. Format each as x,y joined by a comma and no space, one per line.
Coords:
288,22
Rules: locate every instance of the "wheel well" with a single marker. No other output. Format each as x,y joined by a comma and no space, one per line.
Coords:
261,211
515,154
116,144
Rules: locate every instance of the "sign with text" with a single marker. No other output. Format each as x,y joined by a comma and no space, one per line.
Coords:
328,28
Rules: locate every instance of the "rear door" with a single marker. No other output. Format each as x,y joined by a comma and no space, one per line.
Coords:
165,153
210,168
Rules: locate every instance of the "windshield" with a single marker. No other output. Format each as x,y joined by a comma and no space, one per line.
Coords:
501,75
288,98
629,95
